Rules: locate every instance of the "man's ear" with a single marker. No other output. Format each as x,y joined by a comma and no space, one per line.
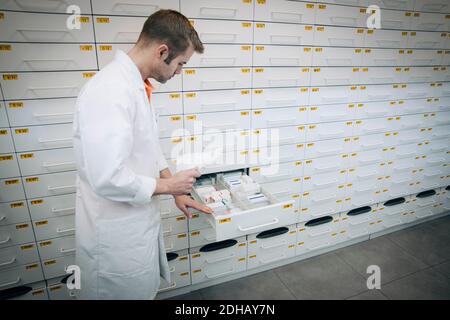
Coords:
163,52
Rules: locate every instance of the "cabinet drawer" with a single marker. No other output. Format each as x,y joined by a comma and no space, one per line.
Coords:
213,31
217,9
3,116
47,161
384,57
57,290
176,242
317,234
321,202
219,121
170,126
281,77
216,79
18,255
218,259
341,15
179,264
15,277
11,190
114,29
50,207
325,148
332,95
432,6
285,11
386,38
217,55
40,112
278,117
283,34
325,164
57,267
175,225
16,234
393,19
360,222
6,141
286,135
8,166
279,56
107,51
50,184
54,227
41,27
337,57
277,172
427,40
338,37
394,4
59,6
132,7
330,130
279,97
381,75
43,137
334,76
324,180
216,101
58,247
48,57
13,212
272,245
423,57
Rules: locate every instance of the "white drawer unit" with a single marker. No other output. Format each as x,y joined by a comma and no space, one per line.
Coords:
284,189
395,212
176,242
285,11
279,117
369,93
221,142
393,4
439,132
336,15
271,246
346,2
43,84
15,234
6,142
444,197
175,225
436,159
393,19
325,36
325,148
107,51
57,267
43,137
218,121
40,112
216,79
328,113
279,97
46,161
429,21
380,75
439,145
115,29
317,234
374,109
171,126
413,106
51,207
427,40
280,56
57,289
337,57
47,57
15,277
408,136
430,211
384,57
321,202
219,55
415,91
18,255
362,193
40,27
281,77
180,267
333,95
54,227
277,154
50,184
58,247
132,7
380,38
360,222
422,74
424,199
283,34
279,136
400,184
276,172
8,166
334,76
434,177
368,157
167,103
216,101
213,31
3,116
58,6
198,222
439,119
168,209
250,216
34,291
217,9
202,237
432,6
13,213
325,164
324,180
329,130
218,259
11,189
370,126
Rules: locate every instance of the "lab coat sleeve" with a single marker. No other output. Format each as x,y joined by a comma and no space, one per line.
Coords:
106,132
162,163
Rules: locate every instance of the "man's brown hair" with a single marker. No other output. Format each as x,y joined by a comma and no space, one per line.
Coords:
173,29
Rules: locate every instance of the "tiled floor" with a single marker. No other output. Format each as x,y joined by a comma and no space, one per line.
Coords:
414,264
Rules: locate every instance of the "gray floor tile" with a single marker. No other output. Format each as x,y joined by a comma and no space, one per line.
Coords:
443,268
441,226
393,261
423,285
196,295
323,277
369,295
424,243
261,286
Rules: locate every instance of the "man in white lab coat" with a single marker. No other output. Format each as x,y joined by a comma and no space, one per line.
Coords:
121,168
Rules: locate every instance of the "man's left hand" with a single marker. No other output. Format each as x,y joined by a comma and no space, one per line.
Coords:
184,202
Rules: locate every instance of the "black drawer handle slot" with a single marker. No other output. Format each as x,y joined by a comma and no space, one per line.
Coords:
318,221
426,194
394,202
12,293
218,245
359,211
448,188
171,256
272,233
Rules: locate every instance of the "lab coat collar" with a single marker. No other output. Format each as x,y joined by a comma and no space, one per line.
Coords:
134,74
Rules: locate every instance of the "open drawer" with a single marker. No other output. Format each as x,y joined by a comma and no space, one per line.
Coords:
243,213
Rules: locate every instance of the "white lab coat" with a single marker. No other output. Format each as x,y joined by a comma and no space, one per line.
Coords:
119,243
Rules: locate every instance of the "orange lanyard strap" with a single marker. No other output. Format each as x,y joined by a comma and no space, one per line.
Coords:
148,88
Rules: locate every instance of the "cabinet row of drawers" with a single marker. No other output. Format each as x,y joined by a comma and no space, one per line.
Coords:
299,11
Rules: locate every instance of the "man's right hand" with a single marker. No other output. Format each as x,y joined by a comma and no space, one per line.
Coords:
179,184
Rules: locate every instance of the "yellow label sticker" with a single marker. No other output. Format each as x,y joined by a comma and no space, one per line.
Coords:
260,25
189,72
22,131
48,263
310,28
2,16
222,221
22,226
322,6
86,48
245,113
246,70
11,182
88,75
175,96
261,1
27,247
17,205
177,118
192,117
32,266
5,47
102,20
84,19
246,48
41,223
45,243
246,24
309,6
320,29
15,105
105,48
6,158
37,202
287,206
245,92
247,1
32,180
260,48
9,77
184,235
